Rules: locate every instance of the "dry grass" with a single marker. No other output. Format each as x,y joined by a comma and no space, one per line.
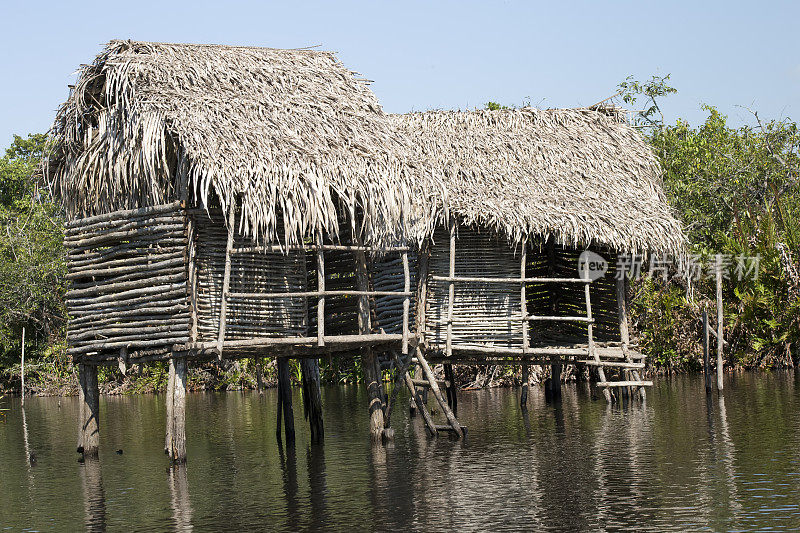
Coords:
584,177
279,131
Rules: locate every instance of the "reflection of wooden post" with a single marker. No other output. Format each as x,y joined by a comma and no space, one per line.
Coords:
720,335
312,398
706,354
89,432
179,492
94,498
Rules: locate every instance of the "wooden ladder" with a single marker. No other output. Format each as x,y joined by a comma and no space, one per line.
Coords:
630,363
428,381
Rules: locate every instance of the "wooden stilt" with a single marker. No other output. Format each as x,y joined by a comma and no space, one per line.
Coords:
368,359
450,385
523,397
285,401
312,398
177,423
706,353
89,431
170,403
555,377
523,299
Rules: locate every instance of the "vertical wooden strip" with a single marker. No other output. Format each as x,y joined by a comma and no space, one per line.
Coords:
90,421
321,289
451,291
368,363
312,398
524,317
720,333
192,274
226,280
170,402
178,450
285,392
406,301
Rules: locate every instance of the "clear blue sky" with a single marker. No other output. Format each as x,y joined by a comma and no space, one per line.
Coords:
425,55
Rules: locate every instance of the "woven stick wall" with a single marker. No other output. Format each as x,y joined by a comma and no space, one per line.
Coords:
128,282
251,272
488,314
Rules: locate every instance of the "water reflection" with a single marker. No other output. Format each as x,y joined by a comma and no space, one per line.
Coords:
94,497
576,464
179,498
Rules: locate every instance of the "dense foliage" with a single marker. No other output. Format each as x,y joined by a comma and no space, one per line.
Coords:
32,269
737,192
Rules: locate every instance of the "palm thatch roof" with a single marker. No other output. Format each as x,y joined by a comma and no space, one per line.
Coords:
290,134
581,176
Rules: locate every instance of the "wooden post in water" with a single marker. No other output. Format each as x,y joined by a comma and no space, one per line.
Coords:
312,398
555,376
285,402
450,384
523,398
170,403
720,334
177,447
89,430
706,354
368,363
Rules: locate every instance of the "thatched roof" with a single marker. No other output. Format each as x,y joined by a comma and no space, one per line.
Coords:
283,131
581,176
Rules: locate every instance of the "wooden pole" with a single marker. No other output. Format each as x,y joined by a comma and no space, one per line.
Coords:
285,401
451,291
422,292
89,432
555,376
22,368
451,389
321,289
170,403
312,398
371,375
226,279
706,354
178,444
720,334
523,398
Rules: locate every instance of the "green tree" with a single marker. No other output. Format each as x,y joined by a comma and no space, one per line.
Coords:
32,267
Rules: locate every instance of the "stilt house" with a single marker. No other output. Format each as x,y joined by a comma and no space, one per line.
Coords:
229,201
529,191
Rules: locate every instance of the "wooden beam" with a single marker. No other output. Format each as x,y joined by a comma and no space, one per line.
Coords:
720,333
451,291
226,280
89,429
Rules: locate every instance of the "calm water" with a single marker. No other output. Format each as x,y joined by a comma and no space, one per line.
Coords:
676,463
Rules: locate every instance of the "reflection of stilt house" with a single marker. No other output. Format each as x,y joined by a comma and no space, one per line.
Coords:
529,190
228,202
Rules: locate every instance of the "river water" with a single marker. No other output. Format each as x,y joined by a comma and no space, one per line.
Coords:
678,462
